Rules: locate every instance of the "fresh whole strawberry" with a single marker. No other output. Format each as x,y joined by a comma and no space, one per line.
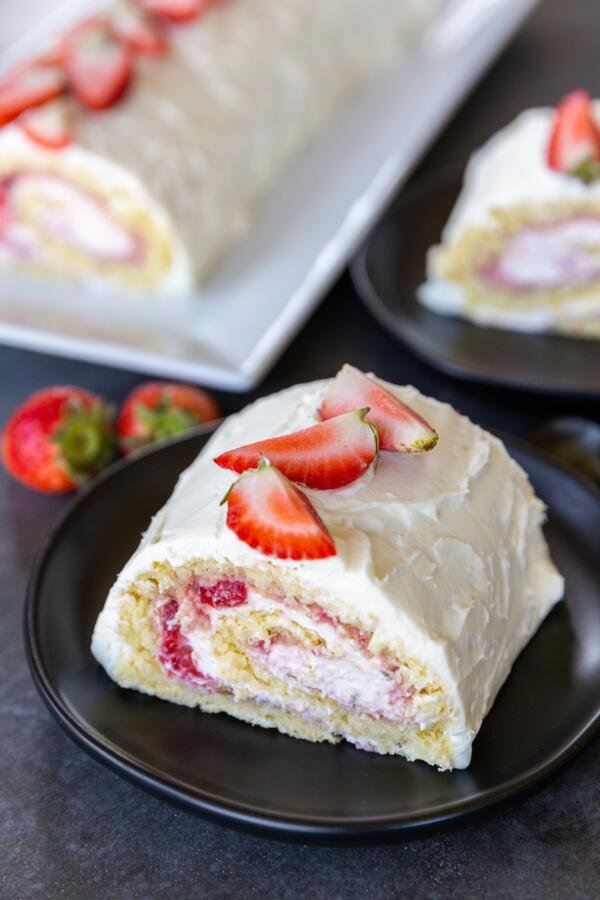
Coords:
574,146
328,455
400,428
271,515
158,410
58,439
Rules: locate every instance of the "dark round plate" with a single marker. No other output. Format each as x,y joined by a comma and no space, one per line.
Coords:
391,266
259,779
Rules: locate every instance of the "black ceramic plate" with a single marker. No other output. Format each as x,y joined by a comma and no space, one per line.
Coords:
390,268
254,778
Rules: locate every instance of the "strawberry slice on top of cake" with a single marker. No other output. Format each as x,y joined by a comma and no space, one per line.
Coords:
345,560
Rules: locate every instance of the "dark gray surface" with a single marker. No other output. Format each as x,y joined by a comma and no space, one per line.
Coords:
69,828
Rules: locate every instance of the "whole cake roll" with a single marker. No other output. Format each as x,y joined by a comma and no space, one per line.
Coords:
198,121
371,575
521,249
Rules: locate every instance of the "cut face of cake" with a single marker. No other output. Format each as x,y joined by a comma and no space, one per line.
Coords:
386,612
73,214
153,135
521,249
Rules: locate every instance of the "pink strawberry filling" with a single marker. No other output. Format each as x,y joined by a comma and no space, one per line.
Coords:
222,594
336,664
175,652
35,203
542,257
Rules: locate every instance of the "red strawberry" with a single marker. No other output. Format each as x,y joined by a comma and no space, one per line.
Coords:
399,427
28,86
97,63
47,125
138,30
270,514
574,145
158,410
175,651
223,594
328,455
176,10
57,439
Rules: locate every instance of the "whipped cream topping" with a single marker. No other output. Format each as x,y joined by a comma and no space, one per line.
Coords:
440,554
551,256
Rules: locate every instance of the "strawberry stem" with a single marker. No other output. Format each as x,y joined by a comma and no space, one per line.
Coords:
86,439
164,420
588,170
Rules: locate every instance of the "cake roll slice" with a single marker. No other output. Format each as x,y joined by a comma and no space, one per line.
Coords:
521,249
363,574
171,148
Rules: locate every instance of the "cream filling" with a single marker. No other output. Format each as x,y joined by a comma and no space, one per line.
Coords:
309,653
565,254
39,206
354,680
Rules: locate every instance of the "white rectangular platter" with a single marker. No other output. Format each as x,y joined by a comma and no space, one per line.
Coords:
231,331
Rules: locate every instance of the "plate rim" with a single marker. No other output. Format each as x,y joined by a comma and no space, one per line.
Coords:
424,186
247,816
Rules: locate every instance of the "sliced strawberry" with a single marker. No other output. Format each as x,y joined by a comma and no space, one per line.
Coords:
138,30
270,514
97,63
28,86
328,455
48,125
176,10
399,427
574,145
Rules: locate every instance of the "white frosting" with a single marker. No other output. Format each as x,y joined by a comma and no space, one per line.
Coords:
439,552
